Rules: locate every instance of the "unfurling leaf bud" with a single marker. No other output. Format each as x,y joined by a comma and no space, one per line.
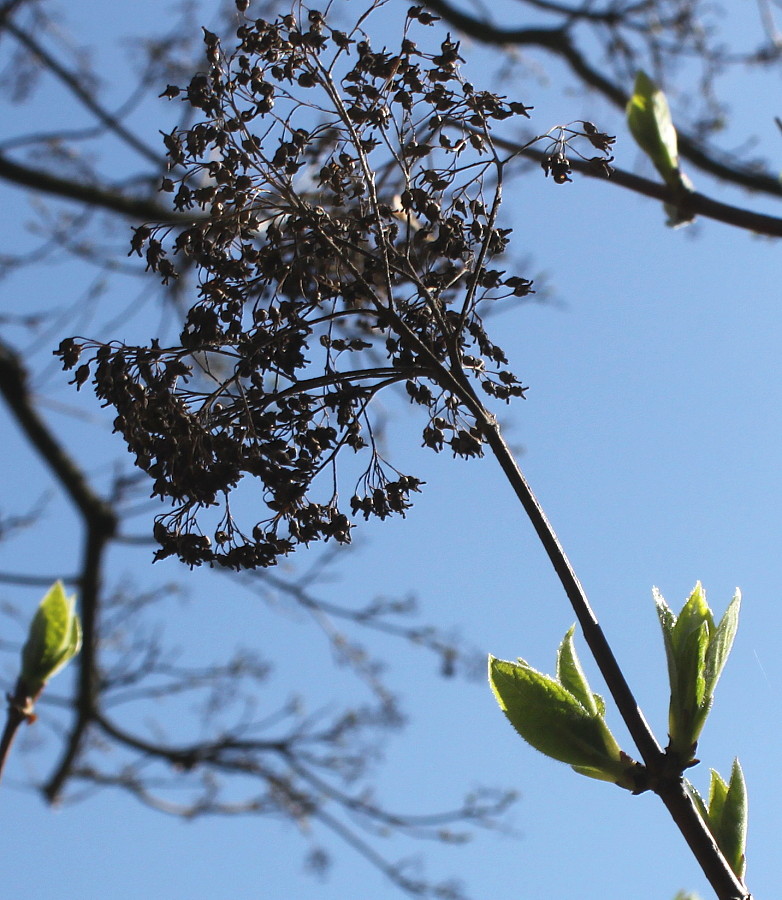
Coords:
697,650
53,640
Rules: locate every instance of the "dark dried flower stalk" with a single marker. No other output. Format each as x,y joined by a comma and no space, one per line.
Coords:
345,223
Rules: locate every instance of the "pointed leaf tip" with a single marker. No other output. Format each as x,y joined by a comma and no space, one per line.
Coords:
734,821
571,676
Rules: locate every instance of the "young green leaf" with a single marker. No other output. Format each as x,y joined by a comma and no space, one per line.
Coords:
664,613
54,639
696,651
561,717
718,791
571,676
692,669
703,807
650,123
726,815
667,624
549,717
722,642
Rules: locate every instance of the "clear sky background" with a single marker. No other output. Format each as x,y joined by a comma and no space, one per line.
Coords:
651,433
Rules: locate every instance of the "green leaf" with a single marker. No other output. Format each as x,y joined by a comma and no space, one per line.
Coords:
718,791
571,676
552,720
728,817
650,123
694,613
54,639
693,672
664,613
722,643
75,640
604,775
688,712
667,624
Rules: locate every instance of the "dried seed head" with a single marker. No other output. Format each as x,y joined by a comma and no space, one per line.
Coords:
345,238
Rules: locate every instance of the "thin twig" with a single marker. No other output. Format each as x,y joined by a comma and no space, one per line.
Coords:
100,523
85,97
20,709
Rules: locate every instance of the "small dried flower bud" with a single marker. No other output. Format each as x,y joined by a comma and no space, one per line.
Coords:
559,167
82,374
69,351
598,139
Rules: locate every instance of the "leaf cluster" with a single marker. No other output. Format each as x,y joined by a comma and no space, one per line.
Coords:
561,717
696,650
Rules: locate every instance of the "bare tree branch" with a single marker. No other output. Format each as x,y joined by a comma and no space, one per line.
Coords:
694,202
139,209
558,41
86,98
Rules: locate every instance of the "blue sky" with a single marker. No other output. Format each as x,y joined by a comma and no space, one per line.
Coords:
651,435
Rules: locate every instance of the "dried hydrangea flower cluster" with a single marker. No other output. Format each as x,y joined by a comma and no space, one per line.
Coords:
344,207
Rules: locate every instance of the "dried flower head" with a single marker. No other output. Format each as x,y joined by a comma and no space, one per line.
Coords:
344,205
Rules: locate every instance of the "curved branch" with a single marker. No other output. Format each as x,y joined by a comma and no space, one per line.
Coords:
693,202
696,203
138,209
8,9
15,391
71,81
558,41
219,756
185,756
100,523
